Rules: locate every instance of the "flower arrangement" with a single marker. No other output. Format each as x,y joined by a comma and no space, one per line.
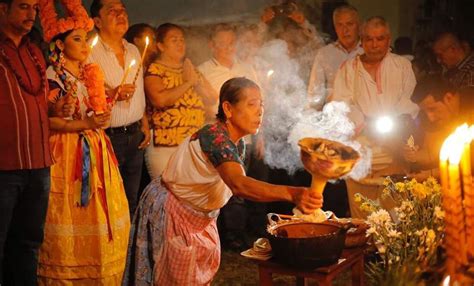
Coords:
93,79
52,26
408,237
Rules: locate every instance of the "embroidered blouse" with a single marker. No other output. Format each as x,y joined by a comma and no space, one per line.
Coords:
173,124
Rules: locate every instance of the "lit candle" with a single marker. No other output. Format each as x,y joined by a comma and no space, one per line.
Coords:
270,73
94,42
452,153
468,189
147,42
132,63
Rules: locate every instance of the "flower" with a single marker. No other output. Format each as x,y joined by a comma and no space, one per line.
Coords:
52,26
94,82
407,237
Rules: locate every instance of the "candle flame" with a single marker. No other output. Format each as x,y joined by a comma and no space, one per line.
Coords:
94,42
147,40
446,280
132,63
270,73
453,146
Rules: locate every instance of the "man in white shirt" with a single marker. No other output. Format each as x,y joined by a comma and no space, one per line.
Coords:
223,64
330,57
128,130
377,83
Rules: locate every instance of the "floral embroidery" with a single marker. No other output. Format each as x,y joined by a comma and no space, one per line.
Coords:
217,145
172,125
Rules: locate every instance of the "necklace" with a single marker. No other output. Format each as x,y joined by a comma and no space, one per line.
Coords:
39,68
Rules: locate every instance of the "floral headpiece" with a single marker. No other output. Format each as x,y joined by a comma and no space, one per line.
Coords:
76,18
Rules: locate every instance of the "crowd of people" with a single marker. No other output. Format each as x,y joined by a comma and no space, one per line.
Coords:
79,121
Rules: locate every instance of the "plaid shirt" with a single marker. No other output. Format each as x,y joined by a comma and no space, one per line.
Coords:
463,74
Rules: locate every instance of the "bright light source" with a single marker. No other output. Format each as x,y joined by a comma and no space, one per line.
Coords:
270,73
384,124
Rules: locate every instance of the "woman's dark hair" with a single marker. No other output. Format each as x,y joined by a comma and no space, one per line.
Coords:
231,92
163,30
136,31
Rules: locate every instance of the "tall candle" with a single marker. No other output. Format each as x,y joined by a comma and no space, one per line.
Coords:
147,42
94,42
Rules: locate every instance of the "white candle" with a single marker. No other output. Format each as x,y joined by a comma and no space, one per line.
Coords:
132,63
147,42
94,42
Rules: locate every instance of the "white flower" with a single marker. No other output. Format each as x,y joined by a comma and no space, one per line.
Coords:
393,233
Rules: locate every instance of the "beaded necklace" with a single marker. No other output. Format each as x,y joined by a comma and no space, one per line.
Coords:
39,68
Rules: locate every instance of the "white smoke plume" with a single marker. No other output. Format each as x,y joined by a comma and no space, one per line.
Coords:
287,119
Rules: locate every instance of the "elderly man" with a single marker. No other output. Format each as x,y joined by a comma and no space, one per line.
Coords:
455,58
24,144
129,130
330,57
374,84
223,65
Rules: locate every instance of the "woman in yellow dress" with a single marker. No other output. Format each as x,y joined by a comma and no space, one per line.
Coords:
176,94
87,224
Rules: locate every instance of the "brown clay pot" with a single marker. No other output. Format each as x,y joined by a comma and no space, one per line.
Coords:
306,244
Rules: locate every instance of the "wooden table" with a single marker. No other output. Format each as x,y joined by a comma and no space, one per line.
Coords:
350,259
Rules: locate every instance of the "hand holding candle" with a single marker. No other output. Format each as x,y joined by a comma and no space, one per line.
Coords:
147,42
127,71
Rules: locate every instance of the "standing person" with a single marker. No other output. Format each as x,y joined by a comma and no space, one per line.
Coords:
375,84
330,57
174,238
137,34
223,65
176,92
87,223
24,145
128,131
458,61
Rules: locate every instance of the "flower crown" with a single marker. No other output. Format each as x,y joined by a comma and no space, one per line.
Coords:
77,18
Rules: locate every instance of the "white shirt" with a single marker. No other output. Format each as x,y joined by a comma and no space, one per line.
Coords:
389,94
192,178
123,112
218,74
327,61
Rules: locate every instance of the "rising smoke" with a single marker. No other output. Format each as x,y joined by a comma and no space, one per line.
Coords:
287,118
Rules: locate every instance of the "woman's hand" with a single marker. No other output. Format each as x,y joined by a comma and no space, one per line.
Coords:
189,73
98,120
411,154
64,107
306,200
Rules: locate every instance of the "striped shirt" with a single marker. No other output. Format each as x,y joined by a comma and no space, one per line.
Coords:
24,143
123,113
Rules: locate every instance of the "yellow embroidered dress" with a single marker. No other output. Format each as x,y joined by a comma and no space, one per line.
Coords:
172,125
87,224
